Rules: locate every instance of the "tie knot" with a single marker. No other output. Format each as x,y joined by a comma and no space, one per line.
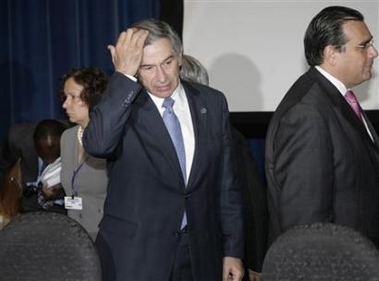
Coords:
350,97
168,103
352,100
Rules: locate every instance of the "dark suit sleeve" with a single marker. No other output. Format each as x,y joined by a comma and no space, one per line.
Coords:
303,167
105,129
255,205
231,199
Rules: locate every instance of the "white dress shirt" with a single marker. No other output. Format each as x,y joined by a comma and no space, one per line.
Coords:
342,89
182,111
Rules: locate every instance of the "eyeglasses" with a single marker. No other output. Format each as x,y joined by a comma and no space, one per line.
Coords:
366,45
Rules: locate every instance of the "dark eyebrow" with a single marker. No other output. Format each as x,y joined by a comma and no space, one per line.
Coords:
166,59
170,57
366,42
145,65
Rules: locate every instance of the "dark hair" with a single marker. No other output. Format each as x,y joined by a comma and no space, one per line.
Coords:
93,80
158,30
46,137
48,128
326,29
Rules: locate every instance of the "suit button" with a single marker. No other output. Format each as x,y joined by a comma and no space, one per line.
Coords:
181,231
188,195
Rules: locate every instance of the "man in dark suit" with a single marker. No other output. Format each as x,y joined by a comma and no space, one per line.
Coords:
322,159
164,219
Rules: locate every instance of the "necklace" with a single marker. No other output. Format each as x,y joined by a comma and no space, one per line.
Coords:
80,135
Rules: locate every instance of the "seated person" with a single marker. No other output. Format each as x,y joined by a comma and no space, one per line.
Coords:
19,145
10,192
35,146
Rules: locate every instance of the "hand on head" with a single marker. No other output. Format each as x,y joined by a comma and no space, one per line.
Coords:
127,54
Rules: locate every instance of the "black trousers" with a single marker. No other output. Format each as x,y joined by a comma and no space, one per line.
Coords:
181,269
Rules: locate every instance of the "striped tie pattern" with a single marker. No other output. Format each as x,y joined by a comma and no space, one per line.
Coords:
352,100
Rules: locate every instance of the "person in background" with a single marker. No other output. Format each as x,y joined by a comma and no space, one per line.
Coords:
10,192
31,147
47,136
84,177
193,71
17,144
254,193
322,157
173,209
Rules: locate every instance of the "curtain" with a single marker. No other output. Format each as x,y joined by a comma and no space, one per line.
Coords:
43,39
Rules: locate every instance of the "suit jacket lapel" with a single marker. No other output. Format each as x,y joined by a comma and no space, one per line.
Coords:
149,122
200,123
339,102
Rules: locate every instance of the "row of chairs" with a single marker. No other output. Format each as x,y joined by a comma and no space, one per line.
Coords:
321,252
52,246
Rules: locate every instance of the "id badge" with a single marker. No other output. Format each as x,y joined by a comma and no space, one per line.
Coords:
73,203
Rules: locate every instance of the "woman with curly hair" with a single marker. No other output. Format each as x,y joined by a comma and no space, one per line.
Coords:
84,177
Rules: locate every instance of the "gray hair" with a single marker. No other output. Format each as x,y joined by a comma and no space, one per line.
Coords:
158,30
192,70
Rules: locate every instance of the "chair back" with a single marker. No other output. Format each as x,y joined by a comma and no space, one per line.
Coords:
321,251
47,246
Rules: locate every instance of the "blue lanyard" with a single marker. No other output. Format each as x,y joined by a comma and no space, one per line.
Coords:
75,172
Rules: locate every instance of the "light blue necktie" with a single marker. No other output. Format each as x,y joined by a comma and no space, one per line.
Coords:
173,126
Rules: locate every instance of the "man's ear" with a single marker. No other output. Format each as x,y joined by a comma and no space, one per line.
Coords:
330,55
